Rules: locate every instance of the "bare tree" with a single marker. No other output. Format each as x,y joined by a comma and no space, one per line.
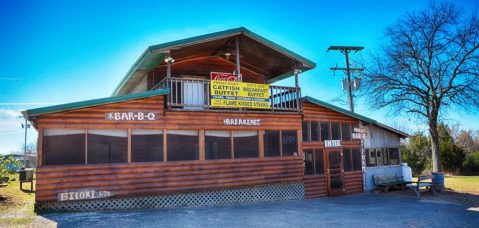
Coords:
429,63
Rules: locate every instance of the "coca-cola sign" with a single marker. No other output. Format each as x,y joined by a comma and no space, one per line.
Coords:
223,76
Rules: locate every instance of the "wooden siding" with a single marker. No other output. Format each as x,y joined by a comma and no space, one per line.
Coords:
313,112
353,181
315,186
166,177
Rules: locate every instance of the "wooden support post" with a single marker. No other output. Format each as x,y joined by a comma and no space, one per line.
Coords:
40,147
300,143
165,151
86,146
202,145
232,146
129,145
238,66
261,144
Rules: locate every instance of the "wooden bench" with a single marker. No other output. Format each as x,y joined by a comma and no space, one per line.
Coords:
426,182
385,182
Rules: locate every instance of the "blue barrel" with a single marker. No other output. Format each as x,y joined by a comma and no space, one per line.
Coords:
439,180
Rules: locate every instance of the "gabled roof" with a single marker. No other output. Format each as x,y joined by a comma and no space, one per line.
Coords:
92,103
354,115
154,55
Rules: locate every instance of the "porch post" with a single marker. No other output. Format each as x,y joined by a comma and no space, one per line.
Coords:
168,67
238,67
298,94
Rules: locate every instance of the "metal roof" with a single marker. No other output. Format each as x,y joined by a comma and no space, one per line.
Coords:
354,115
154,55
92,103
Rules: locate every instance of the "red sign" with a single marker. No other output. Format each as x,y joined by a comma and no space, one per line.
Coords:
223,76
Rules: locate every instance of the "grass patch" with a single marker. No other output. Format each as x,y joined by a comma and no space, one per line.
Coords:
16,206
464,184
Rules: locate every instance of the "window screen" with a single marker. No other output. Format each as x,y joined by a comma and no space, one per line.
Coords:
289,142
356,154
63,146
345,131
394,156
325,134
107,146
182,145
308,162
335,131
318,162
245,144
370,157
379,157
385,156
271,143
314,131
218,145
146,145
347,163
305,130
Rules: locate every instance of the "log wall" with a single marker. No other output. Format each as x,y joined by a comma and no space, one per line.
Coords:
315,186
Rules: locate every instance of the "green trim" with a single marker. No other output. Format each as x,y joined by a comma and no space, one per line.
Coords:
94,102
352,114
152,56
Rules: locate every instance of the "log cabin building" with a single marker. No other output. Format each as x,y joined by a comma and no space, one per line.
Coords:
199,122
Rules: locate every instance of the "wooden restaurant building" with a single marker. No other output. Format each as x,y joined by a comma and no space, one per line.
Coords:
198,122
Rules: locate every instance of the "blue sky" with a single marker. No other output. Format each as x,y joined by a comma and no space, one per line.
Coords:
54,52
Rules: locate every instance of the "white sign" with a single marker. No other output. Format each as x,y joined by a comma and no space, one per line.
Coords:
83,194
360,133
241,122
126,116
332,143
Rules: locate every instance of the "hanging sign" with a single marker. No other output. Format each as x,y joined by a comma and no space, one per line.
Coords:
223,76
130,116
230,94
83,194
332,143
241,122
361,133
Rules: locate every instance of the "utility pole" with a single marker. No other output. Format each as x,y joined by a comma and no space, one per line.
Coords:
350,86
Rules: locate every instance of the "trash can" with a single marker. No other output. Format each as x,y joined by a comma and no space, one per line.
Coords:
439,181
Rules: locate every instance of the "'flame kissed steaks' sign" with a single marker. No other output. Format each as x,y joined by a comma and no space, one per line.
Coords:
83,194
130,116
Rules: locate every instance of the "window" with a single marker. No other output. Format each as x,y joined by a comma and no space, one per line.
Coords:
107,146
289,143
382,156
146,145
385,156
313,162
335,131
325,133
63,146
314,131
182,145
271,143
305,130
245,144
394,156
345,131
379,157
370,157
218,145
356,155
308,162
347,160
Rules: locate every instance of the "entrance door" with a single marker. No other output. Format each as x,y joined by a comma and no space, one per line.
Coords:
334,162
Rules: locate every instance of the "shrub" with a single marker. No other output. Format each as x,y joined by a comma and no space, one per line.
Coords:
471,164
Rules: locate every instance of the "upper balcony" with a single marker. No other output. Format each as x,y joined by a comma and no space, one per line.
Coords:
186,68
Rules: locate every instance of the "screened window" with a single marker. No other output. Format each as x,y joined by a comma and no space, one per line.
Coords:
318,162
289,143
335,131
370,157
218,144
347,160
346,131
325,133
63,146
379,157
146,145
107,146
383,156
314,131
356,155
271,144
245,144
182,145
394,156
305,130
308,162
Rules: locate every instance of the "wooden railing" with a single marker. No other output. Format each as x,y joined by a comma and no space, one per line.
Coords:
194,94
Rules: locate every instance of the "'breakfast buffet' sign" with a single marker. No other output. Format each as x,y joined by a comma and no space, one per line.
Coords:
130,116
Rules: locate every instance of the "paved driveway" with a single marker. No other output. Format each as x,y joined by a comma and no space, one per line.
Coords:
361,210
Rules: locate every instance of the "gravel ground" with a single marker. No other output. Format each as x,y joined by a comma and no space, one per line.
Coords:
448,195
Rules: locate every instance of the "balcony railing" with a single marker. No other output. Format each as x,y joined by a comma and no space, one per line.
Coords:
194,94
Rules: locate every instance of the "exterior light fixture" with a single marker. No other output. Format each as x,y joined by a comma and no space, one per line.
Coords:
169,60
227,55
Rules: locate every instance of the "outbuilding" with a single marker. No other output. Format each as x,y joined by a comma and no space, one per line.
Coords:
199,122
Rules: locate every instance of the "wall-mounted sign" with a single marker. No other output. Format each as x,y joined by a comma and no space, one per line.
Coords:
128,116
360,133
229,94
83,194
332,143
223,76
241,122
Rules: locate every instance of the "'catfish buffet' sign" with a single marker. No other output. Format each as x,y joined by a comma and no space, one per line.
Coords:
83,194
130,116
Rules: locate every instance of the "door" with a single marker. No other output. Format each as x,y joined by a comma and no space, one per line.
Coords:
193,94
334,171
